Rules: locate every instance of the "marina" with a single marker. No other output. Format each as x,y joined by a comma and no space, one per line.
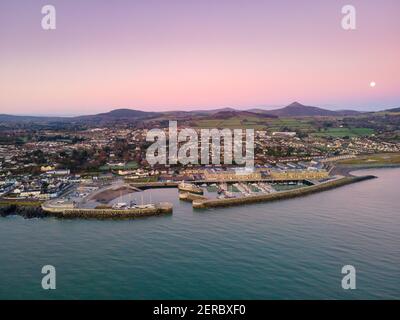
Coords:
119,198
114,201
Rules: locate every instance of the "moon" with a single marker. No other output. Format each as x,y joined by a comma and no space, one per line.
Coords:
372,84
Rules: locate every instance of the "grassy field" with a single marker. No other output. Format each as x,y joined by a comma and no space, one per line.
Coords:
305,124
344,132
129,166
374,159
232,123
255,123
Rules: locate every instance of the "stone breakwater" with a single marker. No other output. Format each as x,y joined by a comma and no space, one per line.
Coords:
37,211
214,203
159,209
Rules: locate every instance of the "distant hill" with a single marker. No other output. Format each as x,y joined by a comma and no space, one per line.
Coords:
119,114
293,110
13,118
241,114
112,116
348,112
297,109
393,110
213,111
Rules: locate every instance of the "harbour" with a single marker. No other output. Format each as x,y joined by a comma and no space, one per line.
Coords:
119,199
290,249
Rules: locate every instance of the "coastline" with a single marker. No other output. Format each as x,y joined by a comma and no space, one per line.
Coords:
347,169
35,209
23,210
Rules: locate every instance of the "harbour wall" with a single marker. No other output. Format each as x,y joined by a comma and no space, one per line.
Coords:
213,203
160,209
150,185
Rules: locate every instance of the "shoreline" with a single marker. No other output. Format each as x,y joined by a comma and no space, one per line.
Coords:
346,169
35,209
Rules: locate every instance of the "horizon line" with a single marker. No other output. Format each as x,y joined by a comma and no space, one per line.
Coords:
205,108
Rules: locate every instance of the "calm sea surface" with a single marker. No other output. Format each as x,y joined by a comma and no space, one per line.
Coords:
291,249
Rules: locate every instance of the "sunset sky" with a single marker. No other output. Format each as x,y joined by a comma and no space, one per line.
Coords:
184,54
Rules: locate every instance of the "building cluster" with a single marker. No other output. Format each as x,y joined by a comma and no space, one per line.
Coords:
48,161
43,187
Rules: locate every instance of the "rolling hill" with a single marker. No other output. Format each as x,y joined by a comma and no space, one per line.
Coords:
118,114
297,109
240,114
393,110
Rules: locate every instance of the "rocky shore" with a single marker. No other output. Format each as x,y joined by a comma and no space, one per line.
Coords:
27,212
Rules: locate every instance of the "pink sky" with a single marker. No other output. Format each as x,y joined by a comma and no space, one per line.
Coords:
163,55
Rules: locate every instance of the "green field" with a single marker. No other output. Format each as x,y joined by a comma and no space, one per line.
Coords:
231,123
344,132
289,123
374,159
129,166
306,125
255,123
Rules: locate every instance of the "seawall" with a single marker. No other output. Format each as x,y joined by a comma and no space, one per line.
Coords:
149,185
213,203
159,209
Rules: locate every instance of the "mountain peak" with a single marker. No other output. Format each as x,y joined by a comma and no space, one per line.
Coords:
295,104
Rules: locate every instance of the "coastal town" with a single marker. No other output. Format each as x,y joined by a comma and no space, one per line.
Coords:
65,169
